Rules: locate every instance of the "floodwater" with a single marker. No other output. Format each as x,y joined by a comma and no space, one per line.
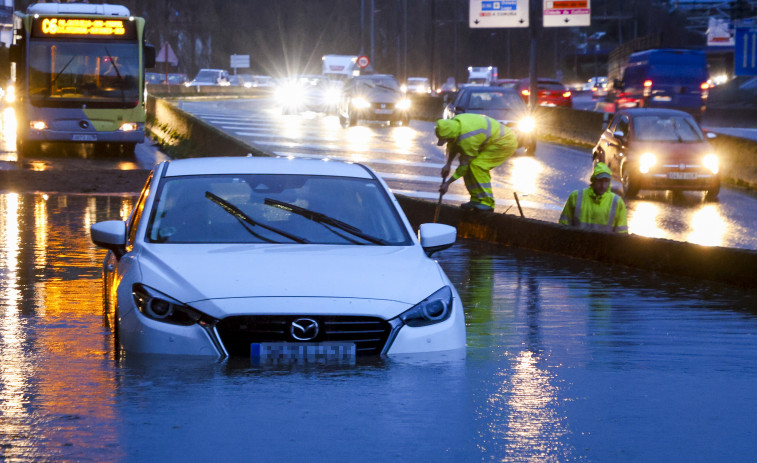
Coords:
566,361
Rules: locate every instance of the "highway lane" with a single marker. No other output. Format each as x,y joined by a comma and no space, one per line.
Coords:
408,159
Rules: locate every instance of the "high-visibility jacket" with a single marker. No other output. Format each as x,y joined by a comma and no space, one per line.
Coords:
585,209
479,137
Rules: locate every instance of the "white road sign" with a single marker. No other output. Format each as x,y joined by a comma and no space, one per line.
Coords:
240,61
498,13
567,13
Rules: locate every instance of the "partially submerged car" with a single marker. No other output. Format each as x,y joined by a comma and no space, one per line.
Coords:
277,260
658,149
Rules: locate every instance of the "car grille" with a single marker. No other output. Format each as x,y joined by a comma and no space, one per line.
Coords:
368,333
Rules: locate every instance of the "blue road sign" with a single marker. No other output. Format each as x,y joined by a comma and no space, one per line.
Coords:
503,5
745,52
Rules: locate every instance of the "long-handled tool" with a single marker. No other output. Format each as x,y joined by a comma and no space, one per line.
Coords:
439,203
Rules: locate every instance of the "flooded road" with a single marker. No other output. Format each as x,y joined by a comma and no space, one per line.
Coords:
567,360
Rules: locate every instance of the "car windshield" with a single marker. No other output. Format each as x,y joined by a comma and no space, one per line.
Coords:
666,128
274,208
495,100
207,76
382,83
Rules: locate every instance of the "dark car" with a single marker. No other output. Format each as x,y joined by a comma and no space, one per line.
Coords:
374,97
551,92
502,104
658,149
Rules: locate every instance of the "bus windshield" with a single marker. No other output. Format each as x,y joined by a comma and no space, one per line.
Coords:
70,74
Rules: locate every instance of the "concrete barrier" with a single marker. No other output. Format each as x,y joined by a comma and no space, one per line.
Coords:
725,265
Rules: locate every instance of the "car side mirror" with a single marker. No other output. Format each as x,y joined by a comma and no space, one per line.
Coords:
619,134
436,237
149,52
111,235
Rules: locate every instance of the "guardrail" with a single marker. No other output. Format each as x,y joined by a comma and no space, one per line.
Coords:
725,265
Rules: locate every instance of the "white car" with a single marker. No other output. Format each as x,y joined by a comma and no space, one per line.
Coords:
277,260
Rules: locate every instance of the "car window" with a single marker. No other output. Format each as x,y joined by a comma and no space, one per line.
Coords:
551,86
495,100
657,128
274,209
136,215
622,125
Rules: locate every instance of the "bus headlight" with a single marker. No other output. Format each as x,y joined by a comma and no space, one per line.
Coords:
38,125
527,124
712,163
10,94
647,161
128,127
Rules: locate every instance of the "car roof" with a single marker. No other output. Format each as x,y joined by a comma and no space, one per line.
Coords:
264,165
653,112
484,88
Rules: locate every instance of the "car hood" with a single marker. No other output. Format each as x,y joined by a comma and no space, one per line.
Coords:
199,272
381,96
673,151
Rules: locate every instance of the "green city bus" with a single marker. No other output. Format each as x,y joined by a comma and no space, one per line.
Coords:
79,76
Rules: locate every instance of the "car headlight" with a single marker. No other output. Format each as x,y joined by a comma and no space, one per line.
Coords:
403,104
527,124
333,95
290,95
360,103
38,125
128,127
157,306
434,309
647,161
711,162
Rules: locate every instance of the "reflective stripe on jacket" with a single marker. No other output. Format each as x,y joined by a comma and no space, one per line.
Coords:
585,210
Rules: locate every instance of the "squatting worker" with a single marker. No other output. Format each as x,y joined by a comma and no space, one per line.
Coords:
596,208
482,144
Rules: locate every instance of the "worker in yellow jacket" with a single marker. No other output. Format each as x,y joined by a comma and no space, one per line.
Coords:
482,143
596,208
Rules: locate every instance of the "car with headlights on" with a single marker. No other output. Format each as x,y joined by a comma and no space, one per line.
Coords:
417,85
308,93
276,260
550,92
373,97
659,149
502,104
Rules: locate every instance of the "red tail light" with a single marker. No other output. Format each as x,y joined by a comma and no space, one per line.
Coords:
525,92
566,95
704,86
647,83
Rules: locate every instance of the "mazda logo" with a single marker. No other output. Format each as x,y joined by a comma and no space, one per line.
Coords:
304,329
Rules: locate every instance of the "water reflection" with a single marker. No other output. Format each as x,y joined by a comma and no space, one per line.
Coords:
708,227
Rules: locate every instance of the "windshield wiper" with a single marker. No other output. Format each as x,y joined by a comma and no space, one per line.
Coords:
61,72
245,219
324,220
120,79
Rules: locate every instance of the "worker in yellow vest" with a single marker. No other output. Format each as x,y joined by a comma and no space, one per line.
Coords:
596,207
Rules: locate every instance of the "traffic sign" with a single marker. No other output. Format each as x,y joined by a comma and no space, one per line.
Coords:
363,61
498,13
567,13
745,52
240,61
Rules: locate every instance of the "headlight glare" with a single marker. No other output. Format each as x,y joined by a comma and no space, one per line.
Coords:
527,124
434,309
128,127
403,104
712,163
360,103
647,161
157,306
38,125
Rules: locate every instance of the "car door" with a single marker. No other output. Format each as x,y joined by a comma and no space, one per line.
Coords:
617,144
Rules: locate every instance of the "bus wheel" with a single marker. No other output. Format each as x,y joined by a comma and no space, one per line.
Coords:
128,150
27,148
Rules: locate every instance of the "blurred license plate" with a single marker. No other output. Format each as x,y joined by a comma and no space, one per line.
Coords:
305,352
384,111
682,175
84,138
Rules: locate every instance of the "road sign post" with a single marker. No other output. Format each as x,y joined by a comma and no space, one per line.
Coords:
240,61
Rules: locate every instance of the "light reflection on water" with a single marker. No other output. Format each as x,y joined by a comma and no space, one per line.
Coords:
566,360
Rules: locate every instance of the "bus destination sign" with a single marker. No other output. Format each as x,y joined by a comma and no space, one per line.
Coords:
84,27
